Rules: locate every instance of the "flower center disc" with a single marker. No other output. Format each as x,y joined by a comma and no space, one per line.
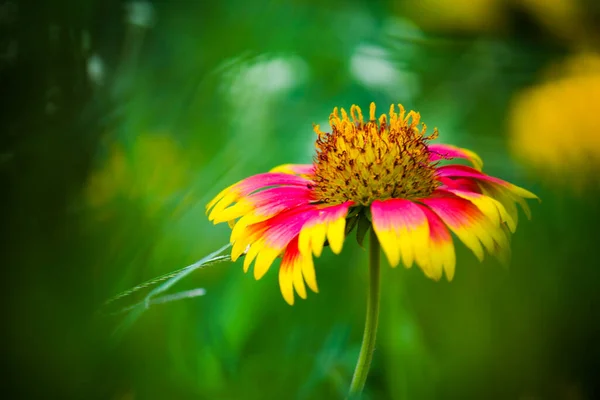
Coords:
374,160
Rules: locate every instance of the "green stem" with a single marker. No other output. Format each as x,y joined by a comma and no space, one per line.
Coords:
368,342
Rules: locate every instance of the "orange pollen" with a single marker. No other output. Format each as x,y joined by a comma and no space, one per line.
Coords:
374,160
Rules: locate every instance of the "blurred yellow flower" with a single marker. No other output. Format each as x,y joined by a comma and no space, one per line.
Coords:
561,18
151,173
458,15
555,126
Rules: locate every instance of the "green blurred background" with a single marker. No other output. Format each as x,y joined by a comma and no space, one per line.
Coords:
121,120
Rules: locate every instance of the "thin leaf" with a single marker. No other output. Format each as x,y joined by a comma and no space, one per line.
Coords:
136,310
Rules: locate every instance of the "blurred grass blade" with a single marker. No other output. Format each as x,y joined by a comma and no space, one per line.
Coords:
136,310
186,294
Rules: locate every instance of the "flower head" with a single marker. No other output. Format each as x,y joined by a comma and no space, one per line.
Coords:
374,160
567,154
383,171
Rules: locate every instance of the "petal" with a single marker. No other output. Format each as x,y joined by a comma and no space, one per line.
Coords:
267,239
489,206
466,221
502,249
336,234
312,238
292,273
265,203
508,197
242,236
441,247
286,282
467,184
252,253
264,260
308,272
502,221
402,229
461,171
327,222
306,170
249,185
298,278
504,197
447,152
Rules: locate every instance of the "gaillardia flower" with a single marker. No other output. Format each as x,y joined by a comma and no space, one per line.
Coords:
565,156
383,174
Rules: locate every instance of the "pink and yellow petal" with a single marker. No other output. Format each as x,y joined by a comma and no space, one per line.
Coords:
312,238
463,218
286,283
249,185
471,226
502,196
243,233
461,171
221,201
253,225
402,229
507,197
448,152
490,207
327,222
267,239
513,196
441,248
467,184
294,270
265,203
286,276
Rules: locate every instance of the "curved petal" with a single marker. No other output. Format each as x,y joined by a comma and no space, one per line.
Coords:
502,249
294,270
467,184
267,239
402,229
249,185
461,171
489,206
504,197
328,222
448,152
282,233
441,247
305,170
265,203
471,226
507,197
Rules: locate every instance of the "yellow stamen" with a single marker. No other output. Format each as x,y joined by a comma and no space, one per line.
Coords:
386,157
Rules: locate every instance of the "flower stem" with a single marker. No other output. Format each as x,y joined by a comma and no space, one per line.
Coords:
368,342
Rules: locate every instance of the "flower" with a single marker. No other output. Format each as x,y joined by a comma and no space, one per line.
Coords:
567,154
565,20
468,16
383,172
